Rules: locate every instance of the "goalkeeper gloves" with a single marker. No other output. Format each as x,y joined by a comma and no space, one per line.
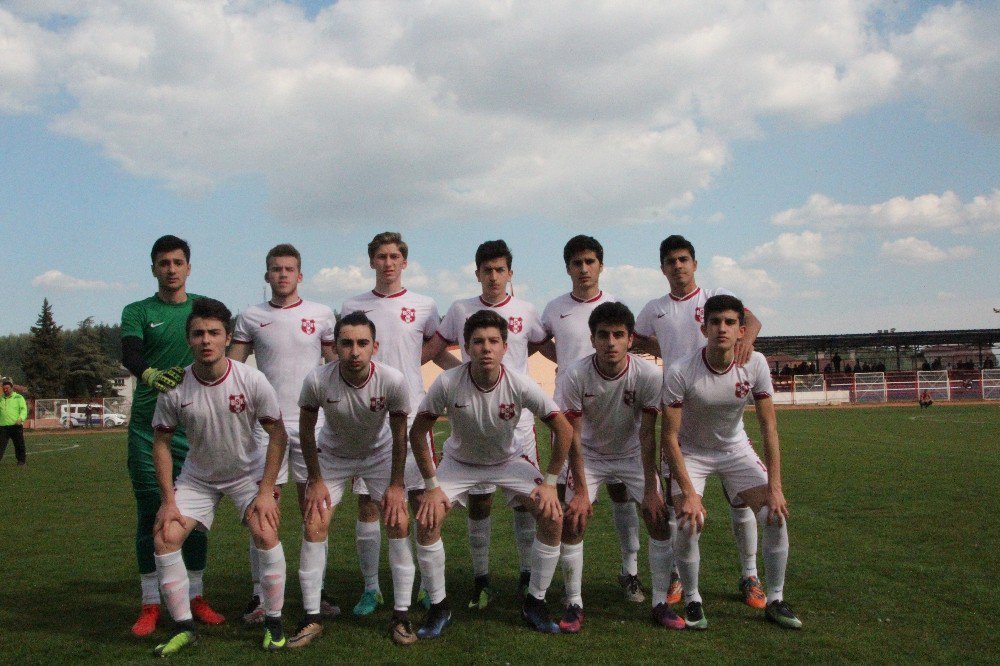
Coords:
163,380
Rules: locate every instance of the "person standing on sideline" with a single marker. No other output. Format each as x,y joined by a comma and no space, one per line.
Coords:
13,414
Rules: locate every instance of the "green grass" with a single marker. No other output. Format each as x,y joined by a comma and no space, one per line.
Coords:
894,556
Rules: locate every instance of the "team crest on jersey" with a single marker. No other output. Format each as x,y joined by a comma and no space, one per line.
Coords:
629,398
506,411
308,326
742,389
409,315
377,404
699,314
515,324
237,403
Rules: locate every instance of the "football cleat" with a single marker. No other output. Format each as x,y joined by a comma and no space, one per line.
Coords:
177,642
328,607
401,630
254,612
752,593
572,619
694,616
308,631
438,617
536,614
633,587
664,616
149,616
676,591
778,612
482,593
204,613
369,601
274,636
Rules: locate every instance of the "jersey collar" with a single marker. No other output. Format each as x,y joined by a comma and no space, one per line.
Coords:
600,294
480,388
371,373
684,298
396,295
628,361
704,359
229,368
286,307
496,305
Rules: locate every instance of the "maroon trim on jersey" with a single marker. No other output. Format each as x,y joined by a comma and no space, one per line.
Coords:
548,417
429,415
496,305
243,342
704,360
396,295
677,403
600,294
480,388
310,409
286,307
371,373
761,396
229,368
573,414
399,413
265,420
163,428
324,343
628,362
438,333
651,410
684,298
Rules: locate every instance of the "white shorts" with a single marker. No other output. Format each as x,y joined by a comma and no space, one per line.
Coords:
198,500
412,477
739,470
607,471
376,472
524,434
517,477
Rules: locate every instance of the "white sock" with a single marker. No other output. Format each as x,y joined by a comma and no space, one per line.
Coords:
627,527
571,559
150,586
197,584
688,562
661,563
745,533
255,569
403,572
413,541
174,585
431,560
312,564
369,541
479,545
775,554
543,566
272,579
524,535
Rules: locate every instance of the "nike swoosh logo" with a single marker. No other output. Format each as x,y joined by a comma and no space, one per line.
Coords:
154,324
185,404
265,323
563,316
661,315
589,395
332,402
458,406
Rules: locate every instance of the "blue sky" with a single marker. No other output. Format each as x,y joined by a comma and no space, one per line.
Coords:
835,164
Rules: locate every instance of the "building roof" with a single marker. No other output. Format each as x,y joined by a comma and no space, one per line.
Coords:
983,338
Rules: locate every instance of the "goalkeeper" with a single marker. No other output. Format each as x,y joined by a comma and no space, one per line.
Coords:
155,350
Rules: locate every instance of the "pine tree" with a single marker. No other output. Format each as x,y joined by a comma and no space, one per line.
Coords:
45,365
89,364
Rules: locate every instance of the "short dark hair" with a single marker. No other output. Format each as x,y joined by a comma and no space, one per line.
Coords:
724,302
494,249
388,238
356,318
612,314
170,243
484,319
675,242
209,308
581,243
282,250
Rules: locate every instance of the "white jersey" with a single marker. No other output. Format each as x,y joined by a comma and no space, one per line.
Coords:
357,417
402,322
287,343
611,407
483,419
713,402
676,323
566,319
219,420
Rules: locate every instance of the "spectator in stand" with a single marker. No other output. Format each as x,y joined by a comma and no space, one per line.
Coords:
836,362
925,399
849,369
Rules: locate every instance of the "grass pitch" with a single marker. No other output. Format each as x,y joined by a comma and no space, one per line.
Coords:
894,543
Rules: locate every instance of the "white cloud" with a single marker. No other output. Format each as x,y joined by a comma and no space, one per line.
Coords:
807,250
910,249
634,285
342,281
928,211
55,279
747,283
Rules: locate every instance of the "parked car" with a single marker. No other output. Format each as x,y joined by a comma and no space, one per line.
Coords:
75,415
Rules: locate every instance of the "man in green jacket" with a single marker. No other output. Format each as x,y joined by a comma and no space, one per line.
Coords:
13,414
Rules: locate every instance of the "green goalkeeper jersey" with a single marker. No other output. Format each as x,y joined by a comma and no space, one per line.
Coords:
161,327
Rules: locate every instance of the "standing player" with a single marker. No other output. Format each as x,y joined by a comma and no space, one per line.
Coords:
524,334
704,395
669,327
289,337
219,402
366,405
155,349
484,401
612,398
405,323
565,318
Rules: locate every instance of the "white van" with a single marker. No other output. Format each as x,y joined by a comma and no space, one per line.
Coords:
75,415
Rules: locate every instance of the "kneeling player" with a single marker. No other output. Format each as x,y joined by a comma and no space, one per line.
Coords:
356,395
218,402
705,394
612,398
484,402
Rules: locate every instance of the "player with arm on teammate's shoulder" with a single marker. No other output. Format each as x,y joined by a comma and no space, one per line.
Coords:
484,401
218,402
704,396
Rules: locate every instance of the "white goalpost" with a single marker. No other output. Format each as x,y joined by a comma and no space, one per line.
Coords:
870,387
935,382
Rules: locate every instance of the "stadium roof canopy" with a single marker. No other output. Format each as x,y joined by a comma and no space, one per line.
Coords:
983,339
